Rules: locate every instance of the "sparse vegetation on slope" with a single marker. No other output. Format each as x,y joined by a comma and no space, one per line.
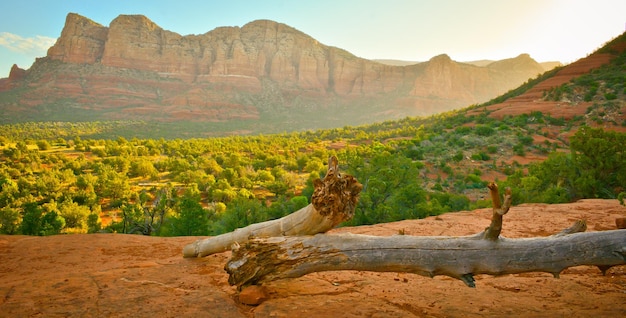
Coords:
604,87
410,168
523,88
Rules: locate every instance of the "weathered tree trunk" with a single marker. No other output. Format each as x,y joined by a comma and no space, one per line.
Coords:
333,201
262,260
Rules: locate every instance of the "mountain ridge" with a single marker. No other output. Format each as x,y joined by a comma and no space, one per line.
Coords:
134,69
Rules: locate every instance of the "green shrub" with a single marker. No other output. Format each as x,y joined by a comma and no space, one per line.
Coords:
458,156
519,150
483,130
481,156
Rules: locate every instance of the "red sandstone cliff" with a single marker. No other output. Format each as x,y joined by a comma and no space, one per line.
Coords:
133,69
81,41
15,76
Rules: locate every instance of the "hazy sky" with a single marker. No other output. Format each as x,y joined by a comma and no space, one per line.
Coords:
413,30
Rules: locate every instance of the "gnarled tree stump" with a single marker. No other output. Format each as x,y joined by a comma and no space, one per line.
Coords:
333,201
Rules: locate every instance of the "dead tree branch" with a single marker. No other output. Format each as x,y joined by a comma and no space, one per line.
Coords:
265,259
333,201
499,209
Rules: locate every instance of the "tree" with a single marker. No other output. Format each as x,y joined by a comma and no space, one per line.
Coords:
192,218
230,174
9,191
10,220
593,168
132,217
265,176
52,223
239,213
75,216
599,158
386,180
143,168
161,207
267,259
94,224
31,220
277,187
43,145
313,165
49,185
112,184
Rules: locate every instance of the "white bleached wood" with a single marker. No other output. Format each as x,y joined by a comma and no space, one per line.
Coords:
262,260
266,259
333,201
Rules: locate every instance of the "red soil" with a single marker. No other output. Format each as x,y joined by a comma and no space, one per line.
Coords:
532,100
115,275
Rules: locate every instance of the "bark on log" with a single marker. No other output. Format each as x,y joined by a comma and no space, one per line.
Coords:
266,259
333,201
263,260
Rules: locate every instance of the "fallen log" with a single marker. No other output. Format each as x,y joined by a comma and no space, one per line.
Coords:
333,201
265,259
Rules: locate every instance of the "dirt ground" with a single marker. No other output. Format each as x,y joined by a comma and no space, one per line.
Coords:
115,275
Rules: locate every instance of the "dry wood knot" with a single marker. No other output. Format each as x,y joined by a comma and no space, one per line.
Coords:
336,196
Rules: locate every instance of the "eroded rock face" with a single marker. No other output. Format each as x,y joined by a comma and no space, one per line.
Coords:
15,75
137,70
81,41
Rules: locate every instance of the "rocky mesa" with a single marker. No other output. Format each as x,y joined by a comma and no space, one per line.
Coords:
134,69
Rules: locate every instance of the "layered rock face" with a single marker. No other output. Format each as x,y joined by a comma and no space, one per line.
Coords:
81,41
135,69
236,55
15,76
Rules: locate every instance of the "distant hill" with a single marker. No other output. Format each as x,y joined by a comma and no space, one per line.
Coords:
550,65
481,63
590,87
260,78
396,62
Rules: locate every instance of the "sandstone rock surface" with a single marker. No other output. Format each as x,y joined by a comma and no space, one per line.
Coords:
115,275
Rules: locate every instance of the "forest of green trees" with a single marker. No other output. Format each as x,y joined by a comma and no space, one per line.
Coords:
409,169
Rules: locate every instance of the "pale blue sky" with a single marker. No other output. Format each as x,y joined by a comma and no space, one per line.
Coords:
414,30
